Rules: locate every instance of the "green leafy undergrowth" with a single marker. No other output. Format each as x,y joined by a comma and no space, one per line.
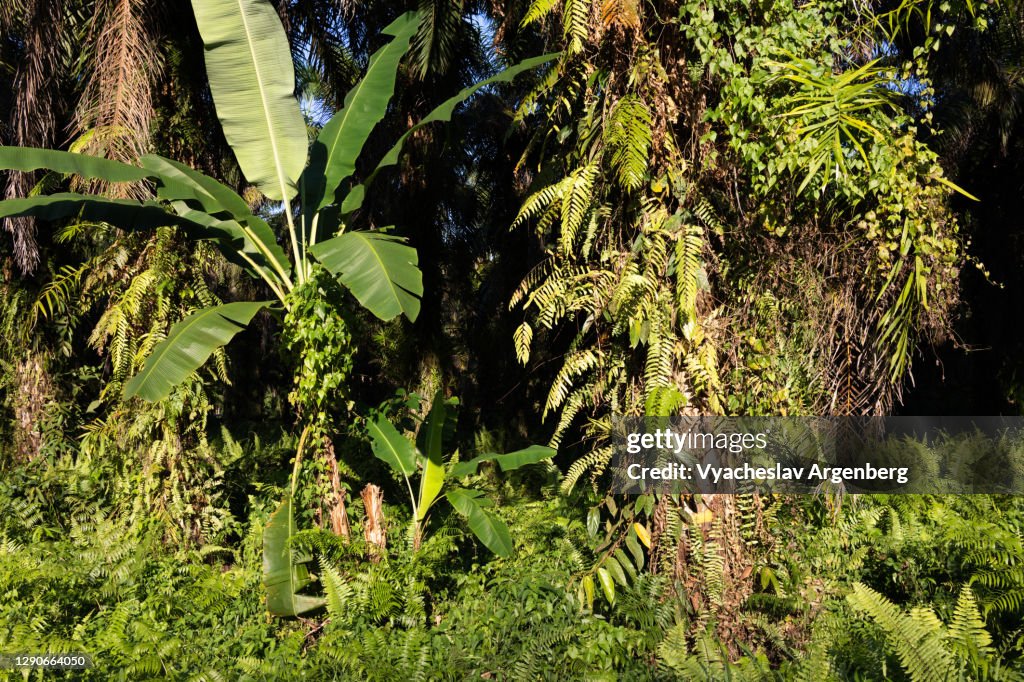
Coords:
143,610
81,572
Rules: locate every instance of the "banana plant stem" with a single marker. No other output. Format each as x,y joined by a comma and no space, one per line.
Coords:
300,265
298,460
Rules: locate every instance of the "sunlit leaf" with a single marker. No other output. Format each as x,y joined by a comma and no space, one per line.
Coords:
188,345
284,571
379,270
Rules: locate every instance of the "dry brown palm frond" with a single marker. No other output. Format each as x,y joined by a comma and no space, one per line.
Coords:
43,26
620,13
9,13
116,108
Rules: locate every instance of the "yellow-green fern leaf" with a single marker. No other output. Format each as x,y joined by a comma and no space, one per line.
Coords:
629,135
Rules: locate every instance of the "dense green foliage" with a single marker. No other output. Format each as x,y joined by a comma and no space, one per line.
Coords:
540,214
77,579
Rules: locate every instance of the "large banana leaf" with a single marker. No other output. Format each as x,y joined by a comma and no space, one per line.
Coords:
231,238
334,153
390,446
432,479
188,345
123,213
507,462
92,167
174,182
378,269
491,530
178,182
284,571
252,79
126,214
443,112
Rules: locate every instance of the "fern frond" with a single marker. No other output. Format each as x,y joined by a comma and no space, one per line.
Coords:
577,197
576,24
664,401
538,10
709,216
574,404
575,364
529,282
596,459
688,263
56,296
523,337
540,200
628,136
337,591
660,352
917,638
967,633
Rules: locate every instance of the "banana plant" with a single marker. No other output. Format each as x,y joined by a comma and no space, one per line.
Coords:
425,458
252,80
285,569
